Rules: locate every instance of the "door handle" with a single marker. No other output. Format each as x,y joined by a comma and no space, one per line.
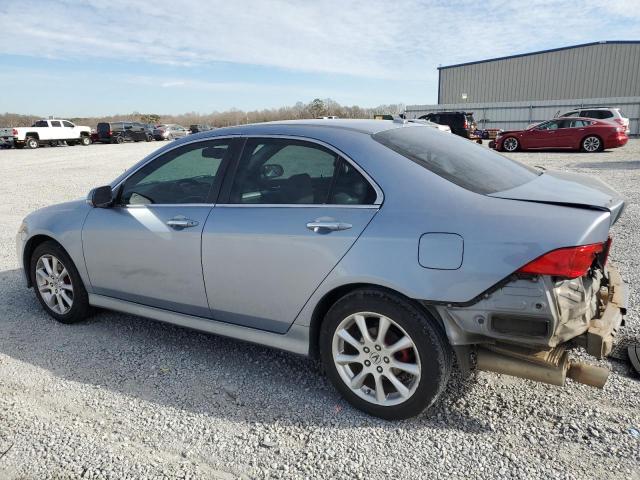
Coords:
181,222
320,226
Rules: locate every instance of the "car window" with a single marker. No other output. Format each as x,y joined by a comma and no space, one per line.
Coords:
571,114
41,123
550,125
182,175
55,123
459,161
283,171
579,123
350,187
67,124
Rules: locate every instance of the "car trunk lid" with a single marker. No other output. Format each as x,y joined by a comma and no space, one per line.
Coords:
569,189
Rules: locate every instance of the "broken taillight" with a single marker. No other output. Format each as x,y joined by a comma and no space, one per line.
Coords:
570,262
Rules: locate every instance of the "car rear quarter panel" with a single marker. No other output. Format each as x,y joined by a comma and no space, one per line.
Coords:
499,235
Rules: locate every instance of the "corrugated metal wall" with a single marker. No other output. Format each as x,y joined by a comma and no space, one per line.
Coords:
517,115
596,71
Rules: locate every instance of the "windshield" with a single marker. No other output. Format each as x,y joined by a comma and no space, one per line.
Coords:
460,161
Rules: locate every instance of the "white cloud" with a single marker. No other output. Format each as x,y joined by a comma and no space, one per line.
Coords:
376,38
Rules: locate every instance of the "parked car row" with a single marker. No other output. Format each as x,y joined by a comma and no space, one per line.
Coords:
590,129
58,131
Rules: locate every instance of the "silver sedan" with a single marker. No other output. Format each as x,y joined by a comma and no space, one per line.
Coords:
387,249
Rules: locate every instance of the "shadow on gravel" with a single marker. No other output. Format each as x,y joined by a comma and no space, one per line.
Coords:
620,165
187,370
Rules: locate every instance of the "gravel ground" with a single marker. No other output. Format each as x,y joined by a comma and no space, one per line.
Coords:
123,397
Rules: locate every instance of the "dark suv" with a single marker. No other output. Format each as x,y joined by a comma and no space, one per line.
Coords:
199,128
460,123
119,132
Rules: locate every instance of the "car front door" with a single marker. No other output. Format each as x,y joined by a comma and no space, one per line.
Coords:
146,249
542,136
293,209
56,131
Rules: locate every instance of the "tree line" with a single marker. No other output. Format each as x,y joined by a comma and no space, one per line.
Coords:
315,108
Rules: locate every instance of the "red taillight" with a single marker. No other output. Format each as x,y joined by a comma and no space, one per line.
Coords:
14,132
571,262
109,132
619,120
465,124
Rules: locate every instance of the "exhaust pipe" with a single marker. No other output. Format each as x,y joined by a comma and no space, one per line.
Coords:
553,369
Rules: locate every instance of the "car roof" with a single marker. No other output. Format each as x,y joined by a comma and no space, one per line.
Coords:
365,126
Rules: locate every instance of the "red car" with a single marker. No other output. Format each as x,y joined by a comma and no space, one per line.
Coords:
586,134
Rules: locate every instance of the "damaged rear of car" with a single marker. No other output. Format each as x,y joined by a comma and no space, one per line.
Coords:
561,292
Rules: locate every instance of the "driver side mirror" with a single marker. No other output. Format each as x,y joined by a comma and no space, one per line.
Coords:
271,170
101,197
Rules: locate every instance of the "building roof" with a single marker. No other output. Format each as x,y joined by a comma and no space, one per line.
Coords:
603,42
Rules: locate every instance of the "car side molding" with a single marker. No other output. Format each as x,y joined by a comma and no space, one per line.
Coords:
296,340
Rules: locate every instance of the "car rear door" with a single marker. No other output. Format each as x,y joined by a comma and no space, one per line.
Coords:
294,208
146,249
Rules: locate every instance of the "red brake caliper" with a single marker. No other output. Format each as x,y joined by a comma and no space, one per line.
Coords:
404,355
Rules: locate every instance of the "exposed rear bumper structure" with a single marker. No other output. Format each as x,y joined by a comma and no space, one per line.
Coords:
552,365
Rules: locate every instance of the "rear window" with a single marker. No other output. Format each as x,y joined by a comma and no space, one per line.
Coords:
460,161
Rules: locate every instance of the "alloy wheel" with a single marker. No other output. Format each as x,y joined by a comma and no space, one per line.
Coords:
54,284
591,144
376,358
510,144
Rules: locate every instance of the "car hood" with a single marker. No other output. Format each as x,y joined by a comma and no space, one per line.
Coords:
568,189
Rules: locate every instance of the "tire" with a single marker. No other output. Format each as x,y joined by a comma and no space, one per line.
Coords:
119,140
85,141
591,144
149,138
510,144
427,353
53,287
31,143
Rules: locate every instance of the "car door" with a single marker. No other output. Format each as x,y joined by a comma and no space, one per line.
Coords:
70,131
542,136
56,131
293,209
146,249
563,137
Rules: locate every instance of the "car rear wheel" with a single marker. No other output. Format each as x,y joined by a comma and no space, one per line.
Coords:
119,139
57,283
591,144
510,144
386,356
31,143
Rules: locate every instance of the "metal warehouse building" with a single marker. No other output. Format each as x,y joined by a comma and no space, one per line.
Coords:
512,92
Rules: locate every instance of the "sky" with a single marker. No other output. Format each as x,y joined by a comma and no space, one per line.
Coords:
85,58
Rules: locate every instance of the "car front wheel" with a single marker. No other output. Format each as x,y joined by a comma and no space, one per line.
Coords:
385,355
510,144
57,283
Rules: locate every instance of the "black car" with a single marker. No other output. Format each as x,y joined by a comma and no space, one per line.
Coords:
120,132
460,123
199,128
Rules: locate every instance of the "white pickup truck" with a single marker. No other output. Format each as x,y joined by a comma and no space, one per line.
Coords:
46,132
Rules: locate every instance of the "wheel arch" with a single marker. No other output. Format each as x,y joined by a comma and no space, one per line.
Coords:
332,296
29,248
32,135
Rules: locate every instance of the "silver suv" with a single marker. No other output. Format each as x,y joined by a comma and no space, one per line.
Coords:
615,115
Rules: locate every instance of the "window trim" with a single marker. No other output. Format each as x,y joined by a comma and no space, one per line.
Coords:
216,189
233,170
